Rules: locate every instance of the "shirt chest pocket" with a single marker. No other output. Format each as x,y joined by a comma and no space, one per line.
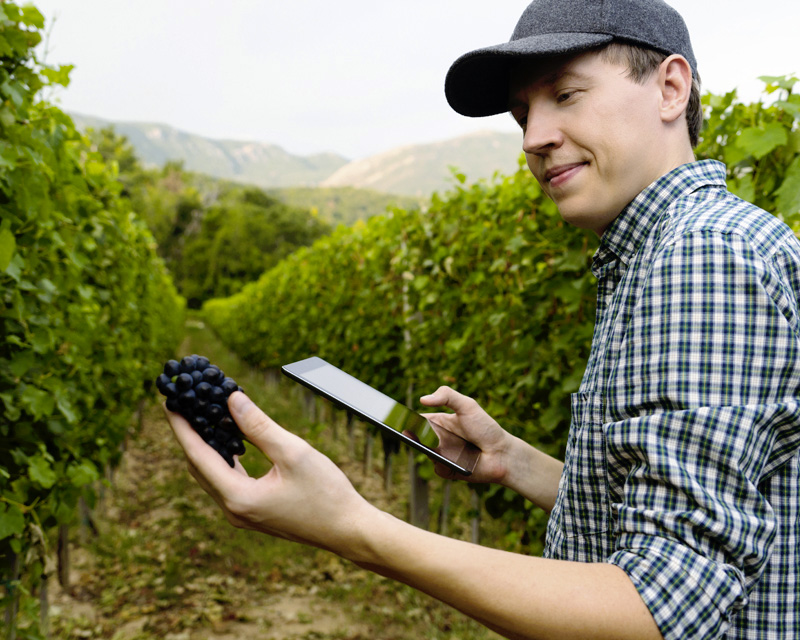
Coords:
584,484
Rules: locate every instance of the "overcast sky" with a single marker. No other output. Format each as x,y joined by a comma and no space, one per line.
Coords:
355,77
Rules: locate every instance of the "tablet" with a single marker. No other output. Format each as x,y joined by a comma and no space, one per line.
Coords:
369,404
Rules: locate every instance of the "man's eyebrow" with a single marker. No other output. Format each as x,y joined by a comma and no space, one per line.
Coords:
568,74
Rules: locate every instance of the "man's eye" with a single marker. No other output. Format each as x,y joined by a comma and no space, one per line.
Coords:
563,96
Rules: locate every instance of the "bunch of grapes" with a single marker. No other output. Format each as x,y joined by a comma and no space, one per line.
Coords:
199,391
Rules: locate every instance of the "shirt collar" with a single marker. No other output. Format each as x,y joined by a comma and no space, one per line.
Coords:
626,234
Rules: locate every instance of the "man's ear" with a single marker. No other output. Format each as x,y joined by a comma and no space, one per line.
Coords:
675,82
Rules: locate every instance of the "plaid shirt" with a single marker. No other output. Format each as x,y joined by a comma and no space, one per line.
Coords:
682,462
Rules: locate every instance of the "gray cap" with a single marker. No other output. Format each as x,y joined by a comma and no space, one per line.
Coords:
477,83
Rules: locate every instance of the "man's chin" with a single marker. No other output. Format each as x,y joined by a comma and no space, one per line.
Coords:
586,218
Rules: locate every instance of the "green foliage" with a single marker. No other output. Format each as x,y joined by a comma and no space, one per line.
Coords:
87,309
214,236
232,242
761,146
487,291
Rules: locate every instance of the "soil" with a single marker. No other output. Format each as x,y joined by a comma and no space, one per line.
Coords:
275,610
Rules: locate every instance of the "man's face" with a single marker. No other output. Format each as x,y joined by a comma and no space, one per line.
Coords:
591,135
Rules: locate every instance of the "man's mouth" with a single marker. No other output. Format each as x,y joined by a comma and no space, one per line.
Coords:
559,174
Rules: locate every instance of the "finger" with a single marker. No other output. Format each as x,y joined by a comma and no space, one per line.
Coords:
272,439
443,471
195,473
435,418
446,397
202,458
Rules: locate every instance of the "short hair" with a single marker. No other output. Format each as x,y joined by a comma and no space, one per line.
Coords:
642,63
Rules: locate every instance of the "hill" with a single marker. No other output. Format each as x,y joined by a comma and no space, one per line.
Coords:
260,164
412,170
419,170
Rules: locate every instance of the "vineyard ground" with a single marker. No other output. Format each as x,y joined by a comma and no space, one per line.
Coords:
164,563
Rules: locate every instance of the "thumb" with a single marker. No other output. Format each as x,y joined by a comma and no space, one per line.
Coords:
257,426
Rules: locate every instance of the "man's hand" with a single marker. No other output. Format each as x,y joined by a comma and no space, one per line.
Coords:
505,459
305,497
473,424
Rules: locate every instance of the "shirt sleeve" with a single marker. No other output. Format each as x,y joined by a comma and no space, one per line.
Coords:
705,410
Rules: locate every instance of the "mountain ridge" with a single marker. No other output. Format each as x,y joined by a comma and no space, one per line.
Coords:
411,170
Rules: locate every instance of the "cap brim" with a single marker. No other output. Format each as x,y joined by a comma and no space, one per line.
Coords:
477,83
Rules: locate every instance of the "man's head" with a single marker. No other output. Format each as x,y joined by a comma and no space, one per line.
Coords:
603,91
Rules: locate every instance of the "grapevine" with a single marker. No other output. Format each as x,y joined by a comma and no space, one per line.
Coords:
87,310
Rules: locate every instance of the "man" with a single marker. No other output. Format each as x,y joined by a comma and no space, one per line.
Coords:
675,513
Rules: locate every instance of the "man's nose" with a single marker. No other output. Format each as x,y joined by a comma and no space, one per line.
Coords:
542,132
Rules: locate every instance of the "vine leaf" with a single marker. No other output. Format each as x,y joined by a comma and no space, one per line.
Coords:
8,245
12,522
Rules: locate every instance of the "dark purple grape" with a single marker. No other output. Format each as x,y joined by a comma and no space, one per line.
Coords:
184,382
162,381
214,413
186,400
236,447
217,395
203,389
199,390
213,375
227,455
172,368
229,386
188,364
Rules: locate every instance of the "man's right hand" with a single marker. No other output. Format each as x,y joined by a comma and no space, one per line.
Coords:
505,459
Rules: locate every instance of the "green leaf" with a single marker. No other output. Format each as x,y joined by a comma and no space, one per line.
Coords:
7,118
789,107
794,141
788,195
743,187
58,76
66,408
41,472
21,363
8,245
38,403
12,410
82,474
12,521
778,82
42,340
759,141
32,17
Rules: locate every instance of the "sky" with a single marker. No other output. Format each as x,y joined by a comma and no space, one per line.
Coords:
353,77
